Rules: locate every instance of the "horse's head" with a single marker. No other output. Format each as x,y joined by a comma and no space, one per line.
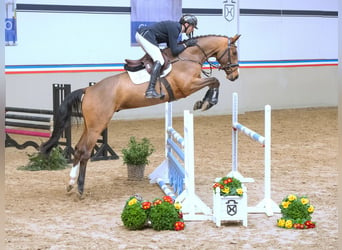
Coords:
228,58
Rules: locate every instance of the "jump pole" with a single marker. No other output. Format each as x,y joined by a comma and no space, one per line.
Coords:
266,205
177,170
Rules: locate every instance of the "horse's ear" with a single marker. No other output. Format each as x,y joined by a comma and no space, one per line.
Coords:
235,38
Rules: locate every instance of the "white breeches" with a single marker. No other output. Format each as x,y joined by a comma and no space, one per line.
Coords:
150,48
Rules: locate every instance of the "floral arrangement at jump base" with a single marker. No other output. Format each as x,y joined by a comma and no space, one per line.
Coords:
161,214
229,186
296,212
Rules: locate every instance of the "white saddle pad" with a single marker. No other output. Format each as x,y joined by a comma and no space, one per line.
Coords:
143,76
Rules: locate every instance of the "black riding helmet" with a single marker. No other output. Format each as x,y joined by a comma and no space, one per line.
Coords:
190,19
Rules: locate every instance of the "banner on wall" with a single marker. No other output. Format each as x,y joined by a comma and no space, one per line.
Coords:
231,14
150,11
10,23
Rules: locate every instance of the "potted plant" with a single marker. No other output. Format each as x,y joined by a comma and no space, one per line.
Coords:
229,186
135,156
229,200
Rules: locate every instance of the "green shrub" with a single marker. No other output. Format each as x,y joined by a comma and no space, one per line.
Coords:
163,215
54,161
137,153
134,216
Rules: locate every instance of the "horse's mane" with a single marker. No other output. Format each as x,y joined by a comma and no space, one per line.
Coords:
204,36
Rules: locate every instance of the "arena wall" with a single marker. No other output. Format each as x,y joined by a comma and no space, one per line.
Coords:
288,52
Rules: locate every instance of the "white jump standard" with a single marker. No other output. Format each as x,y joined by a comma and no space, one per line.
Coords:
267,205
178,168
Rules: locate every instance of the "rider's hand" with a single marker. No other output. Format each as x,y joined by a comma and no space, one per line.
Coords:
190,42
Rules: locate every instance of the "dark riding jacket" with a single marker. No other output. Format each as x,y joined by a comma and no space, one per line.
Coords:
164,32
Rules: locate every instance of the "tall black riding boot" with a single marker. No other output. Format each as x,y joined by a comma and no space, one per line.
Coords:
151,92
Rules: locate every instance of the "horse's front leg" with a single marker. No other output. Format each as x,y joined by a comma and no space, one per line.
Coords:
74,170
78,171
211,97
73,175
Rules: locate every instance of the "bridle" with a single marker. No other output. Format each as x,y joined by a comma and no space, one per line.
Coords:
228,68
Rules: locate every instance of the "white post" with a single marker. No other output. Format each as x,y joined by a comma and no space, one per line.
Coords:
161,173
168,124
189,159
267,152
192,206
267,205
235,133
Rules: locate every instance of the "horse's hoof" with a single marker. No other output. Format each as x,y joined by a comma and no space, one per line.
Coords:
80,196
198,105
206,105
69,188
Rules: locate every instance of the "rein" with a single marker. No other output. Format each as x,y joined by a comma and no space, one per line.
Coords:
228,66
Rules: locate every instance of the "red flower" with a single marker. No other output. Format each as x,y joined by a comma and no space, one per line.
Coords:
157,202
168,199
230,180
216,185
146,205
309,224
179,225
180,215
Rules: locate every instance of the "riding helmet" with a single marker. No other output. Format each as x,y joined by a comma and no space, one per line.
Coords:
190,19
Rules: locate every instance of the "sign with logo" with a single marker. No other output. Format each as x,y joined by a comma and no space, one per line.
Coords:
231,13
232,207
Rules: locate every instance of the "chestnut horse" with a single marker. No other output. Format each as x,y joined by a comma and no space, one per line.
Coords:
112,94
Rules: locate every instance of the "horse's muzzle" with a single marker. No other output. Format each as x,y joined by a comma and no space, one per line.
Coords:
232,77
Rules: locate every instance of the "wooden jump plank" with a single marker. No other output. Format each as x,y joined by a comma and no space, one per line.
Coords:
26,132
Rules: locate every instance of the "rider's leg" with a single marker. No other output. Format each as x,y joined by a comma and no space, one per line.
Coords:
151,92
158,60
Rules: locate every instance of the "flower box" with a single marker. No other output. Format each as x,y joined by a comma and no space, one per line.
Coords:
230,208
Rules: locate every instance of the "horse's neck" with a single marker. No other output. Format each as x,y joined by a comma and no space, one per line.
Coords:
211,45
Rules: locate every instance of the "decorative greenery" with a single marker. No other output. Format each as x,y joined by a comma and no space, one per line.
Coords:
54,161
165,215
135,213
296,212
137,153
161,214
229,186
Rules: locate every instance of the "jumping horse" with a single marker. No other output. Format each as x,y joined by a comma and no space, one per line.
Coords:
99,102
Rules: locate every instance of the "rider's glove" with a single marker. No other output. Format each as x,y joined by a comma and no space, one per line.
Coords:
190,42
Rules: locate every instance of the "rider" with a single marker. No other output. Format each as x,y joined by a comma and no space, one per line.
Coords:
168,32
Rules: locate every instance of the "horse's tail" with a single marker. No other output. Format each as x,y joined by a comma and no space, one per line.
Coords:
72,102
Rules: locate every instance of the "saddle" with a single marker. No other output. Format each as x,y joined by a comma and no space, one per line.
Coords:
146,62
